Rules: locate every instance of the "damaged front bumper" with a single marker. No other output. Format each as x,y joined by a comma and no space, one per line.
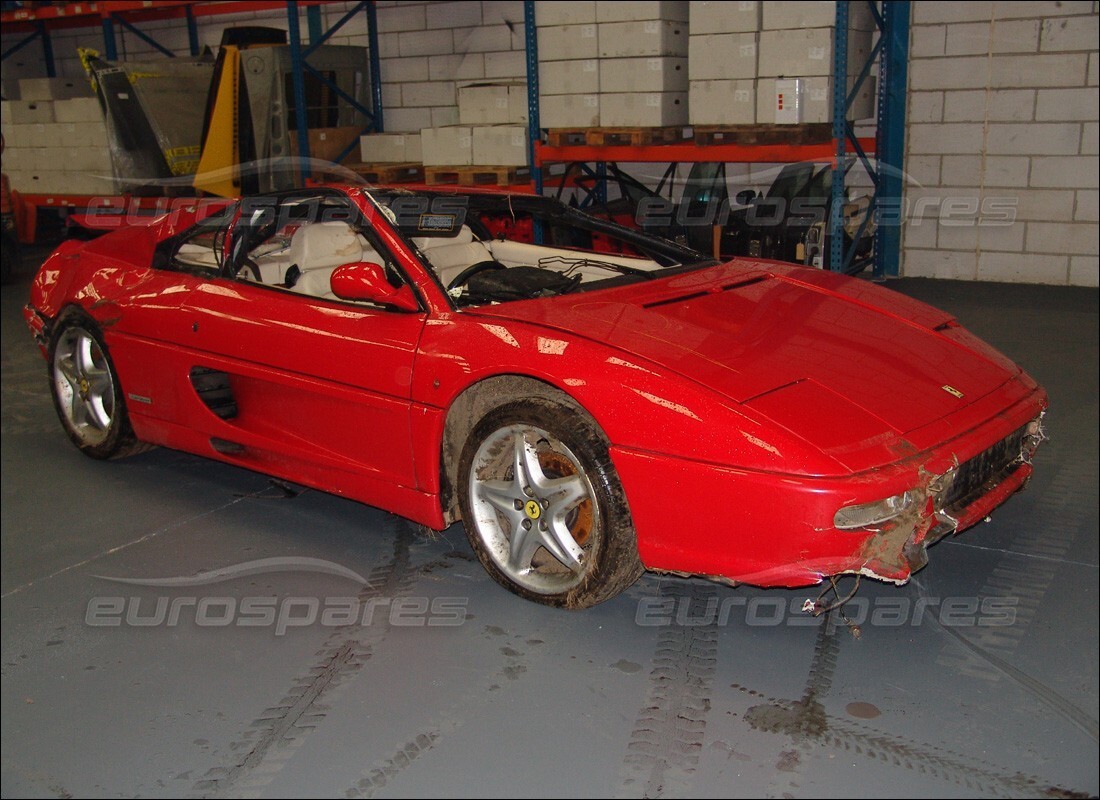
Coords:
740,526
39,325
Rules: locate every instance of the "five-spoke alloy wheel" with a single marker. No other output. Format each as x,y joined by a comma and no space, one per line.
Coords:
86,391
543,507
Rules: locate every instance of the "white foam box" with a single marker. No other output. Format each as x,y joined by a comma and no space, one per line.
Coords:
19,159
79,109
816,100
660,74
645,109
779,15
808,52
24,112
46,159
449,146
616,11
492,103
37,89
87,183
724,16
85,159
568,42
82,134
500,145
651,38
569,111
19,179
41,134
555,12
569,77
389,148
40,182
723,56
722,102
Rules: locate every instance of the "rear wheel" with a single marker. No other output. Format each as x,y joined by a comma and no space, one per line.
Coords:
543,506
86,391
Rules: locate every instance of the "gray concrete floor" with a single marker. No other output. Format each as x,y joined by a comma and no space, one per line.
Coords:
978,678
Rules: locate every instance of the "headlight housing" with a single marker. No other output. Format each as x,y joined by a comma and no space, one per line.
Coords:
866,515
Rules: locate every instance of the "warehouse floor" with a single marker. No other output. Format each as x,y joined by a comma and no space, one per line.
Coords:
978,678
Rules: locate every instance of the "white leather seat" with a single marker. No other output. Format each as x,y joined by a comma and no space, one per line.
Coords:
449,256
319,248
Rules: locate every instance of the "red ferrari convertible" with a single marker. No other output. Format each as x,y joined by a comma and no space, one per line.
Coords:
591,401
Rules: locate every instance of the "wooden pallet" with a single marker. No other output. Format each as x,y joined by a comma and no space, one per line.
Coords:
613,137
409,172
808,133
635,137
476,176
567,137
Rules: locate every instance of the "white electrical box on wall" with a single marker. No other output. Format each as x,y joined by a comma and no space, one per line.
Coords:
788,101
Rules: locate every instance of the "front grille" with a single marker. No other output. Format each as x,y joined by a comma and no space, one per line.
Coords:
984,471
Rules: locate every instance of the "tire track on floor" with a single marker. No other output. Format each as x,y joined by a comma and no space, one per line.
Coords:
386,770
276,734
669,731
808,725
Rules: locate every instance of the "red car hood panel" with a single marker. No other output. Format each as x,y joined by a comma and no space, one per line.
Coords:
747,332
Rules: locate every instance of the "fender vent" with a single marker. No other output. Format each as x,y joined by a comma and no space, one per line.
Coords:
213,388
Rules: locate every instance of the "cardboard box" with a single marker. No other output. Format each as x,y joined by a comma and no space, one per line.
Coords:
723,56
633,39
723,16
451,146
38,89
808,52
568,42
645,109
660,74
555,12
5,113
641,10
722,102
389,148
569,111
779,15
816,100
500,145
326,144
492,103
24,112
79,109
569,77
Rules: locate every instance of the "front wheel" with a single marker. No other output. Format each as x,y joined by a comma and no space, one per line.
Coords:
86,391
543,506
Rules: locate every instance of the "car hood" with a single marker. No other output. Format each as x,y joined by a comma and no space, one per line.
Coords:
833,359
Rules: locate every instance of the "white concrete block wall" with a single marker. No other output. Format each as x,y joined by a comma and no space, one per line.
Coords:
1002,144
427,49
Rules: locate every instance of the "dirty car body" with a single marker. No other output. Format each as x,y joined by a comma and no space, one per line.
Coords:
592,401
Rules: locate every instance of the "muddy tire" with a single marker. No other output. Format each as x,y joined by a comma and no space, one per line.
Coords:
543,506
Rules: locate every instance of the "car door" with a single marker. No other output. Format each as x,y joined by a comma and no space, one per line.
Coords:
314,383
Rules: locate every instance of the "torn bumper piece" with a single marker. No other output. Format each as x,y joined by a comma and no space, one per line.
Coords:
740,526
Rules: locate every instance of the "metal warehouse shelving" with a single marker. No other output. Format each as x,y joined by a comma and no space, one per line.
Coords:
38,21
881,155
